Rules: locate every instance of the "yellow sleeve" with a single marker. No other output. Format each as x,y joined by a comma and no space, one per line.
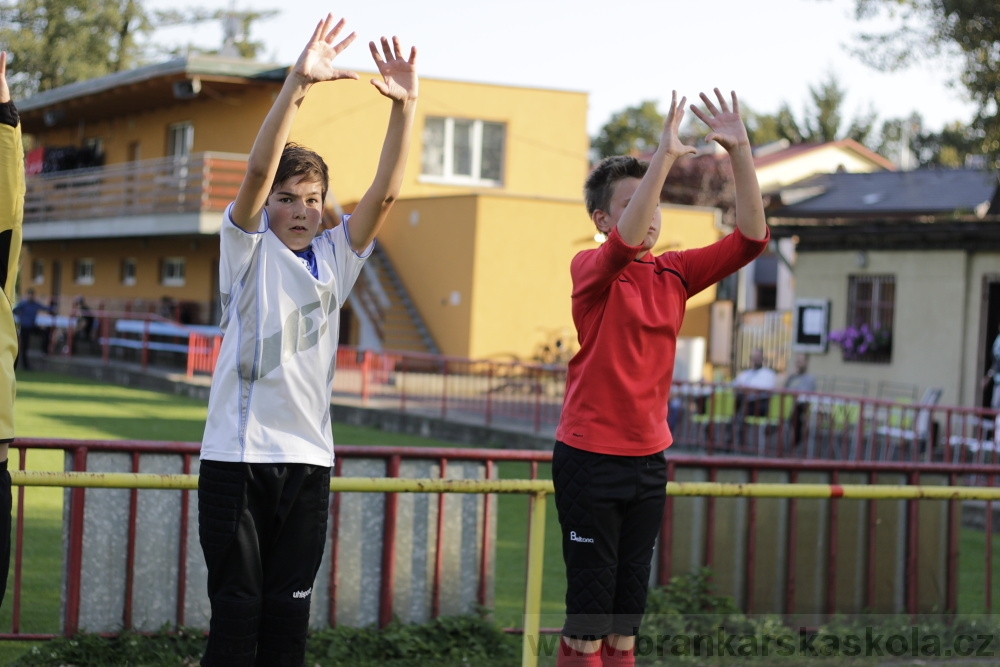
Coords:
11,217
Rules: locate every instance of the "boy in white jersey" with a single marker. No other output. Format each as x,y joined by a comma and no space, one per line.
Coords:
263,490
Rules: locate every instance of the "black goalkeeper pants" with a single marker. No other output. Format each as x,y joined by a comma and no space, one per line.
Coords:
263,530
610,510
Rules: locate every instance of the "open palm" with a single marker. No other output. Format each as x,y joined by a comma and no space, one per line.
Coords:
315,64
399,75
725,122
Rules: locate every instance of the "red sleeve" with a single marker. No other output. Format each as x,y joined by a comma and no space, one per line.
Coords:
594,270
706,266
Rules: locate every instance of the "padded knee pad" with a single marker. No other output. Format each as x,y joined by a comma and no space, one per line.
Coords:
232,635
631,591
589,602
284,626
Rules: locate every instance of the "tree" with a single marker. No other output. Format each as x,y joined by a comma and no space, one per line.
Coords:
634,130
957,145
967,31
58,42
821,122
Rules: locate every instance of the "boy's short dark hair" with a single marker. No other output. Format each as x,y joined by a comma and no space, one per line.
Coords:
299,161
600,184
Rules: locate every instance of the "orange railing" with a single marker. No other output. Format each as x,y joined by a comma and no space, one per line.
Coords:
197,182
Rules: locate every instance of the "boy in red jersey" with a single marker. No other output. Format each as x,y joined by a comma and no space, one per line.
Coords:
608,464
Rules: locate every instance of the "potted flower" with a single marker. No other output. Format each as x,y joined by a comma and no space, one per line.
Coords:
863,343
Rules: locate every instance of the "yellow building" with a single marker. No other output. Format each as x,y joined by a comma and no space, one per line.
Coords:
473,261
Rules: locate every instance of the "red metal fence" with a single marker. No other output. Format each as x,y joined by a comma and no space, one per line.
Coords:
528,397
952,474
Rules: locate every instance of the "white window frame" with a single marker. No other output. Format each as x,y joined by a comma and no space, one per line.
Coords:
180,139
476,146
83,271
129,269
172,272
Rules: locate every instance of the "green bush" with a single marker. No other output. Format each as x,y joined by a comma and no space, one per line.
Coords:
129,649
453,641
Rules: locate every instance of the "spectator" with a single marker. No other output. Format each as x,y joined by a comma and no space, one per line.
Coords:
754,386
27,314
84,331
168,308
800,380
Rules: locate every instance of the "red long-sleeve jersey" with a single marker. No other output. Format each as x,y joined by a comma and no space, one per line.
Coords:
627,314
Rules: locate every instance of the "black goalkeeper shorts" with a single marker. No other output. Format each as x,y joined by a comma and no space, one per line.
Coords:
610,510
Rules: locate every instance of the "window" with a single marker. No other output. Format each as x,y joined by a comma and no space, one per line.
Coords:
180,138
870,305
172,272
463,151
37,271
83,271
128,271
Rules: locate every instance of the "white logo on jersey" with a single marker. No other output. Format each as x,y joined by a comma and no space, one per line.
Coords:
302,594
573,537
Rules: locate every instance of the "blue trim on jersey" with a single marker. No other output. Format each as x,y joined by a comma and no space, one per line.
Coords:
308,257
370,248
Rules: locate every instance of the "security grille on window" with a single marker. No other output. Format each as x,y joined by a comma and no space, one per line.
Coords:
128,271
83,272
172,272
871,302
463,151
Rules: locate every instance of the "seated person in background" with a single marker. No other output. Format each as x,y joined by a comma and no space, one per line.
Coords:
800,380
750,403
168,308
84,320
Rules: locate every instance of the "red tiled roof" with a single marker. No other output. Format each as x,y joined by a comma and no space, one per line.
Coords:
801,149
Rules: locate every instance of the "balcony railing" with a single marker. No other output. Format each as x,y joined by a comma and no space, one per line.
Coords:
195,183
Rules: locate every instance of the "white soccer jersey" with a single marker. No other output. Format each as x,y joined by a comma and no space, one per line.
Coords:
270,398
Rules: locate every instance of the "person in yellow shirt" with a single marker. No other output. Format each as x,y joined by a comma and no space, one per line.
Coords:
11,215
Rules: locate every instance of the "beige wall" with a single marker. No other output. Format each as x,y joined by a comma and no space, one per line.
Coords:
545,151
506,261
201,255
546,137
931,324
521,285
430,243
229,126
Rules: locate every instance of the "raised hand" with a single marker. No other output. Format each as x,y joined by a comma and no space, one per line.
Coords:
4,90
315,64
399,75
727,127
669,140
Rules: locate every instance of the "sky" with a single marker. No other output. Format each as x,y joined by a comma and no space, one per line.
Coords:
620,52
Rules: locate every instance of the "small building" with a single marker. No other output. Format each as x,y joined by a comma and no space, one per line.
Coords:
914,255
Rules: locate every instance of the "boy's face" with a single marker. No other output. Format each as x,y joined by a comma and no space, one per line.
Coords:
295,210
621,196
